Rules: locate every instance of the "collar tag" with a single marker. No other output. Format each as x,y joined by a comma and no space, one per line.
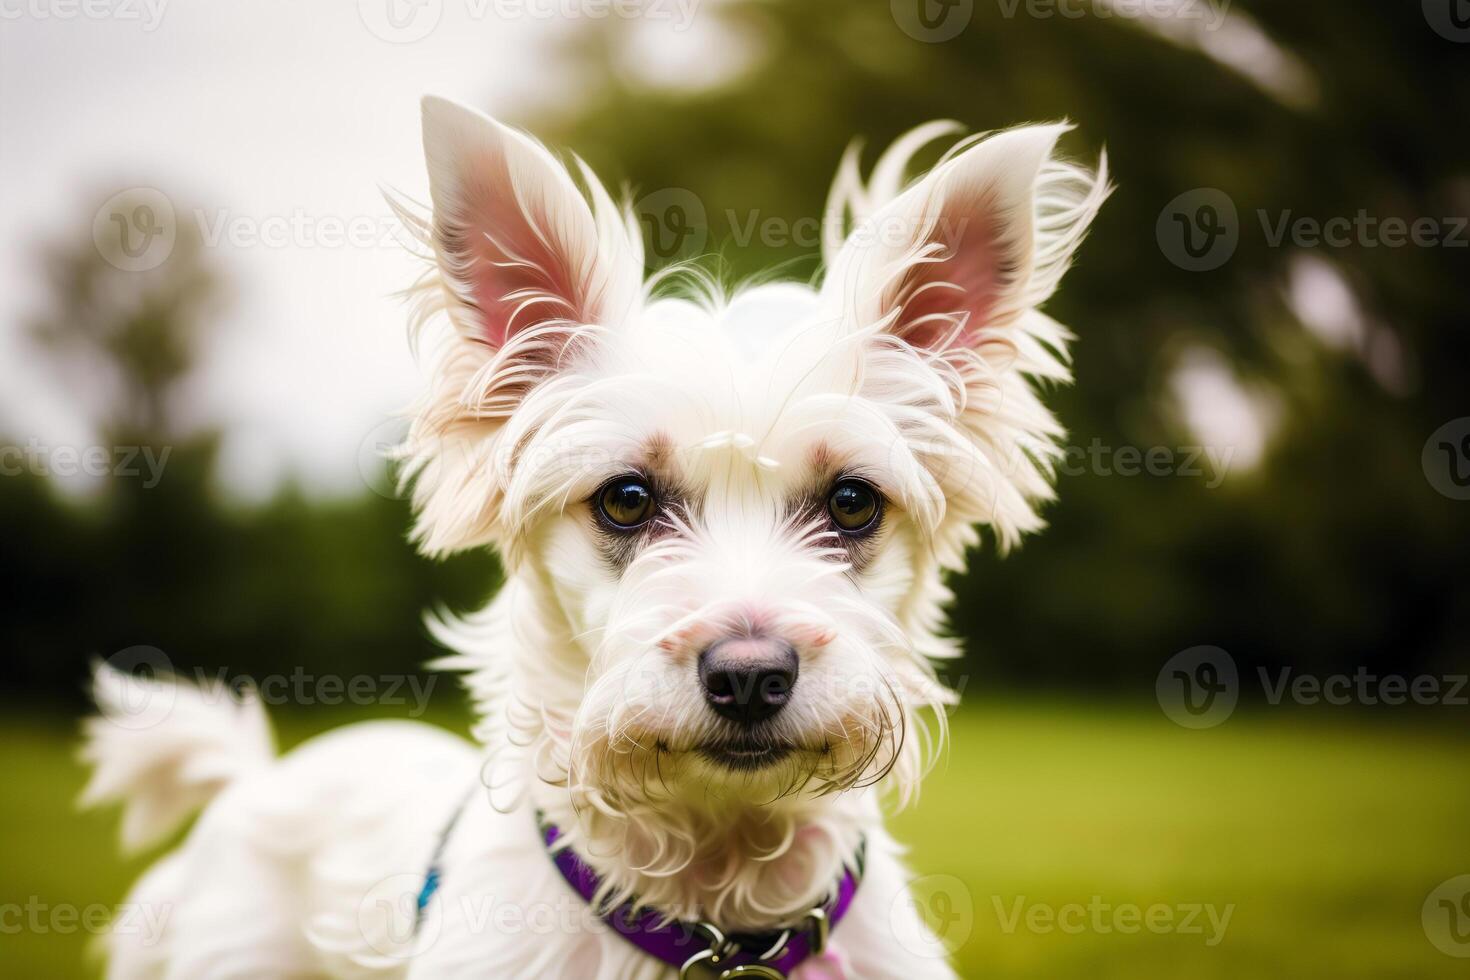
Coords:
709,964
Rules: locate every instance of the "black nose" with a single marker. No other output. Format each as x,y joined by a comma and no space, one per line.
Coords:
748,679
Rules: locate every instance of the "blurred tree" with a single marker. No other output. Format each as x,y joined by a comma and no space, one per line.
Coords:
1335,551
124,337
292,585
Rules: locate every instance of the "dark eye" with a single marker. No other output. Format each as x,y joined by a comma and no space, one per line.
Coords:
626,502
854,506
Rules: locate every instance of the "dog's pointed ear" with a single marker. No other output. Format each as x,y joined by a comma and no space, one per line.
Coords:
949,274
964,252
532,272
517,244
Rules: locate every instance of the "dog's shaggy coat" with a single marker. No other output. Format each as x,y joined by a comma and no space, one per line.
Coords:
915,368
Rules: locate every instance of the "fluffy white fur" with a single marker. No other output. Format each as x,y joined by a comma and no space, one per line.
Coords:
915,366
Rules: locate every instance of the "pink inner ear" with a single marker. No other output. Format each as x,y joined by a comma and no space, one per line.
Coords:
948,301
509,256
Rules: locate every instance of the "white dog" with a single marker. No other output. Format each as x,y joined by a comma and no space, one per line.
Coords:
724,522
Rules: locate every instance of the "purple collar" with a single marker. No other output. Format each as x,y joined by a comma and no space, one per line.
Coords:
684,944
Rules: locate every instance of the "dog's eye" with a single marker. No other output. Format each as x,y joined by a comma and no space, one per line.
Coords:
855,506
626,502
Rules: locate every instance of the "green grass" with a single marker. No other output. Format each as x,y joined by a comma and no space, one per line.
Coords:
1321,834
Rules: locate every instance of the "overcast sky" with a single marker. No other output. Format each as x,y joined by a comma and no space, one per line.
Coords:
240,113
280,118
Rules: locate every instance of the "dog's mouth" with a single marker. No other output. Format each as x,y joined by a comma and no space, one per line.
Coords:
746,755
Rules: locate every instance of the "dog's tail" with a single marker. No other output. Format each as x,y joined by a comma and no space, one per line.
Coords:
163,748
